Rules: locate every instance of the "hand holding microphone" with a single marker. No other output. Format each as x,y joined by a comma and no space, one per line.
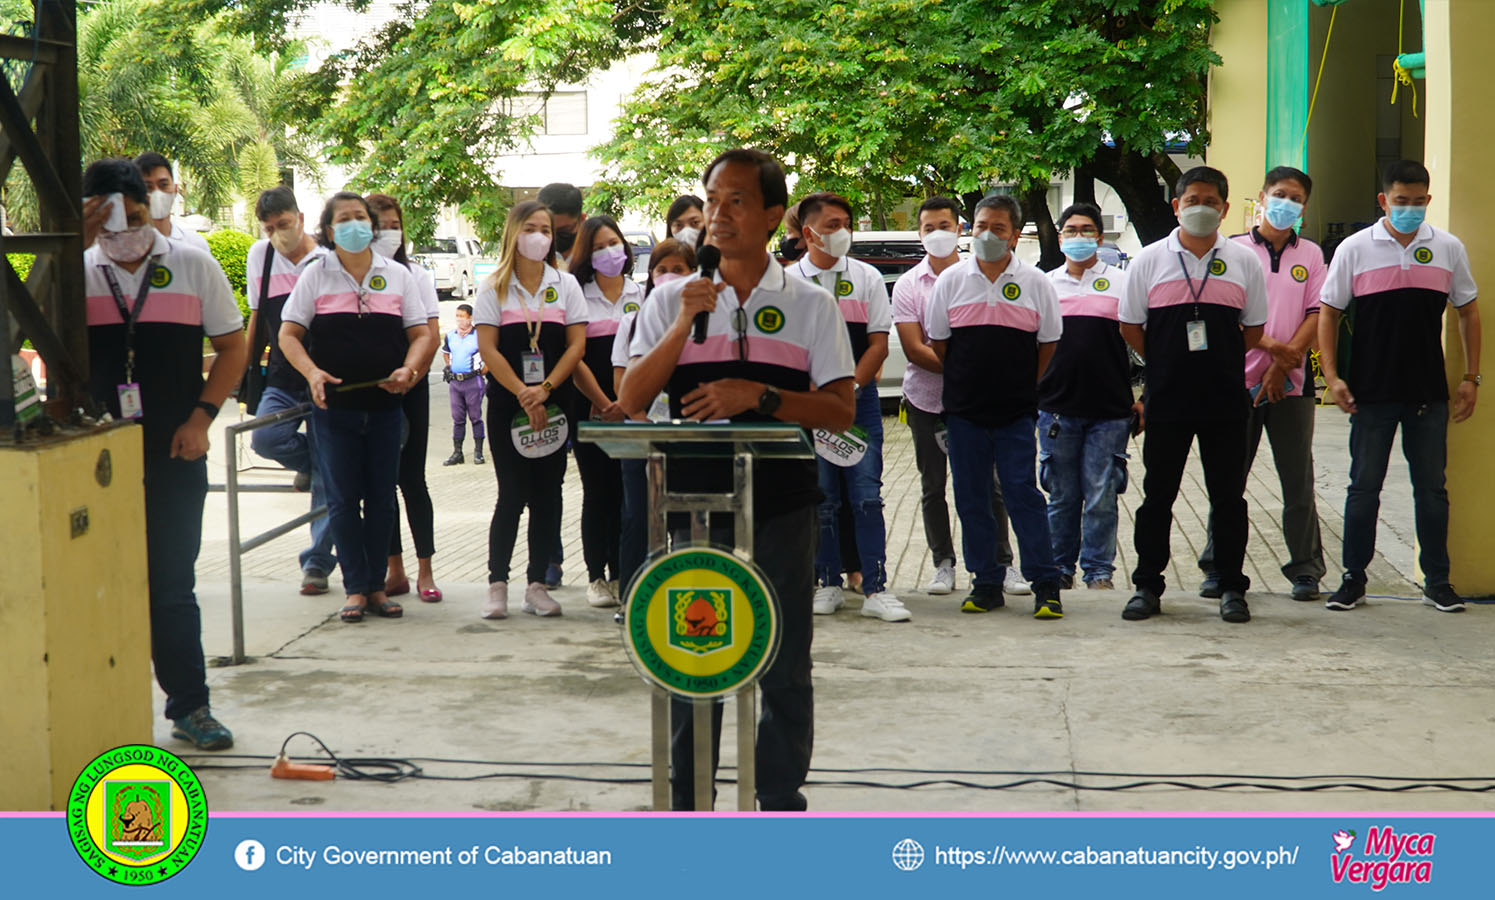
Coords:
709,258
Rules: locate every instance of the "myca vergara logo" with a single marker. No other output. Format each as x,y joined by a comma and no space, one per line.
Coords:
1387,858
137,815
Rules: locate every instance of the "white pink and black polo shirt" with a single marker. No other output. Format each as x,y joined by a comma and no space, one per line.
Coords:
1090,374
860,294
556,304
604,318
283,277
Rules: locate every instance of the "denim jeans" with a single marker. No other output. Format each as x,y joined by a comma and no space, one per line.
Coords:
932,464
359,460
1011,448
284,443
1082,465
1425,445
864,487
174,493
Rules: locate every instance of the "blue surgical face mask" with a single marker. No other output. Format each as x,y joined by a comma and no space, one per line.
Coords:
1406,219
1079,249
1282,213
354,235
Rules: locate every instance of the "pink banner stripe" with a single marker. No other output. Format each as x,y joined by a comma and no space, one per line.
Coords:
889,814
161,307
516,317
1101,306
1008,315
1217,292
602,328
853,310
1392,278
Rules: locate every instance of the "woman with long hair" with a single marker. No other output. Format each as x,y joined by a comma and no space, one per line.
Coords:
369,338
686,220
532,331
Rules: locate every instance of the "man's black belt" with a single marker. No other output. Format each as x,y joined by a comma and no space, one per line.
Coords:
463,376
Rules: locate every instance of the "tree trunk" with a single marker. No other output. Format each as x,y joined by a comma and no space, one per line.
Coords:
1135,179
1084,185
970,199
1036,203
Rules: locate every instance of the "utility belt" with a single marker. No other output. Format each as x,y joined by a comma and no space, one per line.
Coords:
450,376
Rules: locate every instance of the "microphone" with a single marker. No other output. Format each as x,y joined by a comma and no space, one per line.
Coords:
709,258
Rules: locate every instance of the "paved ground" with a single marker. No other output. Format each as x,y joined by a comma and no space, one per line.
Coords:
1394,689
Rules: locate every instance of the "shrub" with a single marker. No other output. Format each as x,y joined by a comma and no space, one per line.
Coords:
231,248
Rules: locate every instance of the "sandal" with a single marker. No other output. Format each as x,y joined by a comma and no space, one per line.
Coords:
431,596
387,609
351,613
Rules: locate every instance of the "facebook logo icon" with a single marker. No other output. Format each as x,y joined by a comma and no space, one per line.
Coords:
250,855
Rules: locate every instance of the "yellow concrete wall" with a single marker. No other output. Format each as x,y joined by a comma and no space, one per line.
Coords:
1238,103
74,613
1460,134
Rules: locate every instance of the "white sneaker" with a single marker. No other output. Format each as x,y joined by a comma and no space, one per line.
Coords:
1014,583
497,604
943,581
827,600
538,602
885,605
600,595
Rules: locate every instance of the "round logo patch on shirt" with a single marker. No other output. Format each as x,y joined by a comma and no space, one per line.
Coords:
769,319
1103,284
550,295
1423,255
630,307
1217,267
161,277
1300,274
843,287
1011,290
378,283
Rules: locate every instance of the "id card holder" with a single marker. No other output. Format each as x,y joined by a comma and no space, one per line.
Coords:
129,401
534,368
1198,339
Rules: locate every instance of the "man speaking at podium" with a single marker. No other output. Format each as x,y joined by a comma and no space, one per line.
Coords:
774,349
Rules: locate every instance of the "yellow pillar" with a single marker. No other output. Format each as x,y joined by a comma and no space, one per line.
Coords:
1238,104
75,642
1460,134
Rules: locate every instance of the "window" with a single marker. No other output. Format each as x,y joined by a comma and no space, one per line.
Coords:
565,112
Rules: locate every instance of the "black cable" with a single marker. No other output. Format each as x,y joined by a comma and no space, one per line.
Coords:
370,768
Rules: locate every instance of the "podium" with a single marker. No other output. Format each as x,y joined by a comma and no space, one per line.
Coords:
698,609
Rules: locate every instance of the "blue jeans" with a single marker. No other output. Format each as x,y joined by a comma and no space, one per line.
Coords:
864,484
1425,444
1082,465
360,461
284,443
974,451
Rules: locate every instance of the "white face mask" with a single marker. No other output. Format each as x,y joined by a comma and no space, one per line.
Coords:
688,236
162,204
939,244
534,245
836,244
1199,220
129,245
389,242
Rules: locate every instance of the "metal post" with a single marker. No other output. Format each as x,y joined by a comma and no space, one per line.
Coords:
747,720
235,575
702,733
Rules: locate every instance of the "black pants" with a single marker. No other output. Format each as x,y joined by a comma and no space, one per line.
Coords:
1222,451
522,482
784,546
418,508
174,494
601,503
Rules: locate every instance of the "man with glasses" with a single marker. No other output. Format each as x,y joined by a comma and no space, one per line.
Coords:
775,350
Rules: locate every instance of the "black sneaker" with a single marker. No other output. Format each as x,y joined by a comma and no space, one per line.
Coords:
1143,605
1233,607
1351,594
1443,598
983,598
202,730
1066,582
1046,603
1210,587
1306,589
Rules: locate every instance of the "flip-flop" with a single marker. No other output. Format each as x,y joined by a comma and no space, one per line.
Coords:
431,596
351,613
388,609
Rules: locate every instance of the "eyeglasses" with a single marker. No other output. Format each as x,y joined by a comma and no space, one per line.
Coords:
1086,231
739,324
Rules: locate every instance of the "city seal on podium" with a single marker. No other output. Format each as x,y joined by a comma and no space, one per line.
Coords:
701,622
137,814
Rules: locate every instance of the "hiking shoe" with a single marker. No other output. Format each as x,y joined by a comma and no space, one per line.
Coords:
1046,603
1351,594
600,595
497,604
538,602
1066,582
983,598
1013,583
1443,598
1306,588
302,482
202,730
1143,605
885,605
943,581
553,575
1233,607
828,599
1210,587
1101,584
313,582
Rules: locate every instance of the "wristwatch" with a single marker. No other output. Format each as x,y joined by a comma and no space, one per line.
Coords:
207,407
769,400
1476,379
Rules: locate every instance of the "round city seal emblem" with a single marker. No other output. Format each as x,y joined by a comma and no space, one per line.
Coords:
1011,290
1299,273
1423,255
160,277
1217,267
378,283
137,814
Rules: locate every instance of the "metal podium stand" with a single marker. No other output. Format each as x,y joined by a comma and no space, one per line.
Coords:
660,445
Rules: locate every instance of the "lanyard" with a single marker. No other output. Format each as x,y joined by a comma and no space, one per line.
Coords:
835,279
130,316
1192,292
532,327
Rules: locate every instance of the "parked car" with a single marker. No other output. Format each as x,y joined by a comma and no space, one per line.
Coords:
459,265
642,243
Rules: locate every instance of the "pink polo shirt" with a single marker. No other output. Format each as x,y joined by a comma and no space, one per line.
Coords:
1294,278
921,387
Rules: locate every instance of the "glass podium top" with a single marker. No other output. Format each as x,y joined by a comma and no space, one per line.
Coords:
636,440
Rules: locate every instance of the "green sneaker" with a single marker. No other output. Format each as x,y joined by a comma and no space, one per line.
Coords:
202,730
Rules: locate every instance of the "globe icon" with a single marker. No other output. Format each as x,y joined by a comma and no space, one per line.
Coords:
908,854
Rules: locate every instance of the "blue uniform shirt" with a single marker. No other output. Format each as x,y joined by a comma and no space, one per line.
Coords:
464,351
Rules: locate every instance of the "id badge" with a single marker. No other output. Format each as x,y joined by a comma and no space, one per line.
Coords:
129,401
534,368
1198,340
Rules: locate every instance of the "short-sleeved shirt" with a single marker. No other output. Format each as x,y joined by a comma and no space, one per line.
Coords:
992,330
189,297
604,319
283,277
860,293
1294,278
192,239
794,339
921,387
357,329
425,282
463,350
1399,294
557,303
1186,385
1090,374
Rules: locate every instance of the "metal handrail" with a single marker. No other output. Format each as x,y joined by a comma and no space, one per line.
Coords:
237,547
